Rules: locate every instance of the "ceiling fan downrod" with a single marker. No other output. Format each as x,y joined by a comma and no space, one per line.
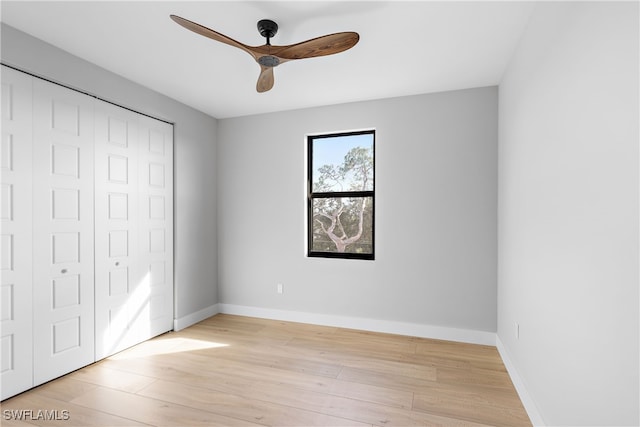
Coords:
267,29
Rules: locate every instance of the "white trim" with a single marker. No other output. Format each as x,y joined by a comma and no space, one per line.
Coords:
193,318
525,397
372,325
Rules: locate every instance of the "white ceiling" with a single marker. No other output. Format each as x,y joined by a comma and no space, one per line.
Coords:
405,48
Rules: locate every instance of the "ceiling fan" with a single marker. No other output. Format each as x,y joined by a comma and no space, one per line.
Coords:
269,56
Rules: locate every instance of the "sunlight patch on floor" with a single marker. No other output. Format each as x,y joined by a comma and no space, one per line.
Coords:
165,346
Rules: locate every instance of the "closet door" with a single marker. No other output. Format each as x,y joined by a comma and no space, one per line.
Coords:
156,222
16,312
134,228
121,294
63,284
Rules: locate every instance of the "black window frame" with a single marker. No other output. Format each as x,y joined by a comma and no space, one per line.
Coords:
311,196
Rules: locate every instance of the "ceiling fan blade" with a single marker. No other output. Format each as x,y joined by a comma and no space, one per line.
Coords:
265,80
208,32
320,46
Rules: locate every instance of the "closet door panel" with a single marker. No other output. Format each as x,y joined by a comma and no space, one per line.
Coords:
63,274
156,222
16,343
120,292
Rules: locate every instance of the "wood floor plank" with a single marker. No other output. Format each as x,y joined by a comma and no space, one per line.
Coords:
153,411
376,340
267,356
241,368
393,367
479,356
231,337
371,393
379,415
100,375
65,389
232,370
243,408
477,405
346,347
225,381
381,379
475,376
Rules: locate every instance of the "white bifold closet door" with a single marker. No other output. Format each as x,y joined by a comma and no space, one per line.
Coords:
63,266
155,233
134,237
16,311
86,238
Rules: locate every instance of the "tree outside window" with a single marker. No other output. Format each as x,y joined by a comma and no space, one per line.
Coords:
341,195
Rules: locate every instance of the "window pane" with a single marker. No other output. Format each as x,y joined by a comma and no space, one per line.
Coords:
343,225
343,163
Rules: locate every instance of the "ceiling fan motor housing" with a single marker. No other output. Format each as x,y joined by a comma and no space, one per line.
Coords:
267,28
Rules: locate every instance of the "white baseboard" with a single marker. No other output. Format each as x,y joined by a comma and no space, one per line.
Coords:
527,401
193,318
372,325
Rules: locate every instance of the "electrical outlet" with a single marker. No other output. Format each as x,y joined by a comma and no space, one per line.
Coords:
280,288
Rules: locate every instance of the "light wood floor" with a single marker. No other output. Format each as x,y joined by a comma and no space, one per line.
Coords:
240,371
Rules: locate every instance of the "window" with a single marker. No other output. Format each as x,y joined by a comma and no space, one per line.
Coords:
341,198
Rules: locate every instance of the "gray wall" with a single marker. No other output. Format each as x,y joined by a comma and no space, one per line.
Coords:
436,207
194,157
568,212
